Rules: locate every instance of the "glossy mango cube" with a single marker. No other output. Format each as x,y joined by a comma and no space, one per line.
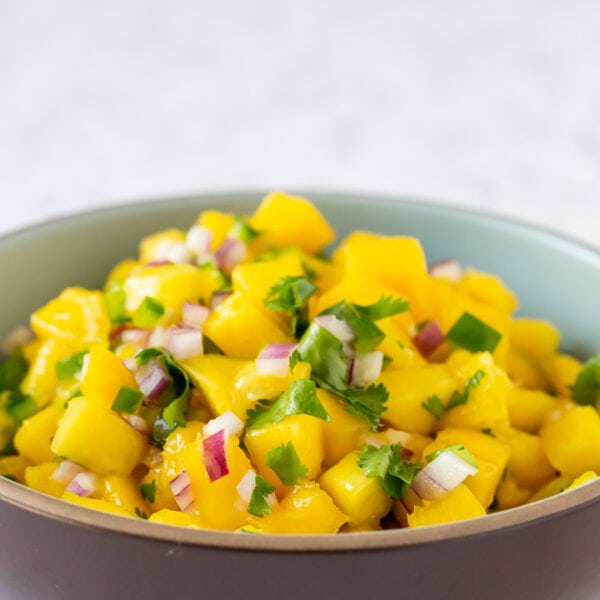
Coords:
218,223
152,246
305,509
305,433
33,439
527,408
14,467
96,504
456,505
104,376
509,494
534,337
285,220
562,371
125,493
260,386
178,518
241,329
572,443
525,372
39,477
87,427
359,497
489,289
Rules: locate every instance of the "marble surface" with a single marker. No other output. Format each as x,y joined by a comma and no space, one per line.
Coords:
493,105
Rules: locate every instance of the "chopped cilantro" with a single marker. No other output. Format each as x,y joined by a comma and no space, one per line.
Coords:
362,319
586,389
13,370
434,405
299,399
115,300
148,491
140,513
459,398
386,463
127,400
70,366
459,449
148,313
258,505
472,334
291,295
287,465
241,230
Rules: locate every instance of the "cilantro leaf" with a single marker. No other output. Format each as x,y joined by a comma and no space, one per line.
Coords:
242,231
474,335
299,399
459,398
291,295
362,319
140,513
258,505
586,389
13,370
386,463
287,465
434,405
148,491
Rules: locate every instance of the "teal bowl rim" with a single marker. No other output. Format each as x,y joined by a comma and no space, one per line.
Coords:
537,512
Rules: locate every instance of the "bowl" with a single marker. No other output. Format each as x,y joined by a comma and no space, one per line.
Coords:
51,549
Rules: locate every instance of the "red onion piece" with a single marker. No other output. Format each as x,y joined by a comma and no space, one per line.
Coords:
230,253
366,368
446,269
215,456
136,336
66,471
152,379
219,297
194,315
184,342
83,484
246,486
441,475
338,327
198,240
160,262
138,423
177,253
227,421
181,487
275,359
429,338
158,338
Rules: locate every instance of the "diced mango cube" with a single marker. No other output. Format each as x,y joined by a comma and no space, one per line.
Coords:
39,477
178,518
583,478
33,438
152,246
527,408
218,223
562,371
96,504
13,467
125,493
489,289
534,337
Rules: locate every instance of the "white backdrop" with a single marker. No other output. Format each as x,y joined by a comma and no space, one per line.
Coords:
494,105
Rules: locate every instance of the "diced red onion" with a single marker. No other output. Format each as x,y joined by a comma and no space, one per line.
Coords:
158,338
215,456
184,342
275,359
136,336
441,475
138,423
366,367
194,315
429,338
227,421
338,327
66,470
219,297
230,253
152,379
181,487
130,363
246,486
446,269
83,484
19,336
161,262
198,240
178,254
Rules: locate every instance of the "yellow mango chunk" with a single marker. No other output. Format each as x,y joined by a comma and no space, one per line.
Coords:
572,443
456,505
76,314
490,454
562,371
125,493
96,504
509,494
39,477
152,246
33,438
104,376
557,485
486,405
525,372
241,329
342,434
285,220
178,518
305,433
583,478
120,271
409,388
218,223
305,509
13,467
359,497
258,386
527,408
489,289
86,428
215,376
534,337
217,501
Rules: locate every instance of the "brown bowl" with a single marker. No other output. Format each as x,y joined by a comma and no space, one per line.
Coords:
546,550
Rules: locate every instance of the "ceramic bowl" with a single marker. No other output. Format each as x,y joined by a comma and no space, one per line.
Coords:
548,550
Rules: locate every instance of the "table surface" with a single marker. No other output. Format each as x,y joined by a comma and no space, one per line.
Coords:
487,105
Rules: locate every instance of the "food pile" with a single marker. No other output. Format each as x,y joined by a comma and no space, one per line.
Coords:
232,377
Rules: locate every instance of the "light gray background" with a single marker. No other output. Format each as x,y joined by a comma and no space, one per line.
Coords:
494,105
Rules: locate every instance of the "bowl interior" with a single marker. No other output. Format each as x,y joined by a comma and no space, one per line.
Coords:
554,278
